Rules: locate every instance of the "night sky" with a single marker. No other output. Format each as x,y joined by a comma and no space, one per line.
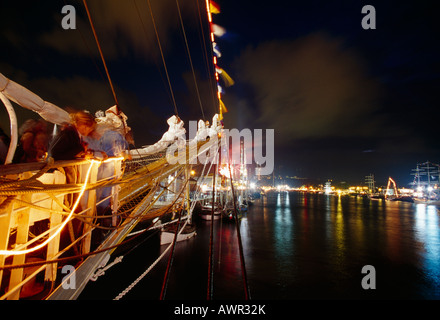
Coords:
344,102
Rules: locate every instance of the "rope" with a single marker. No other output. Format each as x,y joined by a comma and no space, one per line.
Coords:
190,60
63,224
47,167
240,245
19,252
89,51
211,240
38,187
134,283
101,54
154,57
31,264
161,54
84,255
171,257
90,253
32,185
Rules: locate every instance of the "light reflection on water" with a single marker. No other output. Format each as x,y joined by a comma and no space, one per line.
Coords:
283,232
320,243
428,233
299,246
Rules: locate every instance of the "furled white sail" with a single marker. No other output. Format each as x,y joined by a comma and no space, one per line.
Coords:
176,135
175,132
31,101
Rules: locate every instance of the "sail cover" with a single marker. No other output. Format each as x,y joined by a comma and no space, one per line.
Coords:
29,100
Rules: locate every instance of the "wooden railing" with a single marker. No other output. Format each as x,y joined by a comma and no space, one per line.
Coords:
33,193
50,198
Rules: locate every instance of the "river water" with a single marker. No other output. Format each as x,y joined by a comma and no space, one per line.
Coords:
296,246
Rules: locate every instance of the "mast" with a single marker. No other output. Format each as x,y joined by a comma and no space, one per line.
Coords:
241,171
426,185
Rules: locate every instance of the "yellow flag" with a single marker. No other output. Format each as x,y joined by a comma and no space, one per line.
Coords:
226,78
222,107
214,7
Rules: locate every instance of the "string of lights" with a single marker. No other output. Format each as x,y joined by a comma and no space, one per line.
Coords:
68,218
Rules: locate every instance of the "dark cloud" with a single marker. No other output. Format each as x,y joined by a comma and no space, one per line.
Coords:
64,66
122,29
309,88
330,89
81,93
327,107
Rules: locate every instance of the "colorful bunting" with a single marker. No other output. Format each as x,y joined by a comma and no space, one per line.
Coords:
226,78
223,107
218,31
216,50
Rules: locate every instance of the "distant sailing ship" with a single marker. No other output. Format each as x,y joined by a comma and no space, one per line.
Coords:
426,183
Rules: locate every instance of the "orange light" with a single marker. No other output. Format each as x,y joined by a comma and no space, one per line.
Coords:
209,11
57,232
224,171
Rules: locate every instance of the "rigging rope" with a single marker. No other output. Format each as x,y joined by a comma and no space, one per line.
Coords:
171,257
190,60
240,245
102,55
134,283
211,240
90,52
61,227
31,264
161,54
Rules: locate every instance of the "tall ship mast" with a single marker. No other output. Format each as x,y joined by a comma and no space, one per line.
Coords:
53,241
